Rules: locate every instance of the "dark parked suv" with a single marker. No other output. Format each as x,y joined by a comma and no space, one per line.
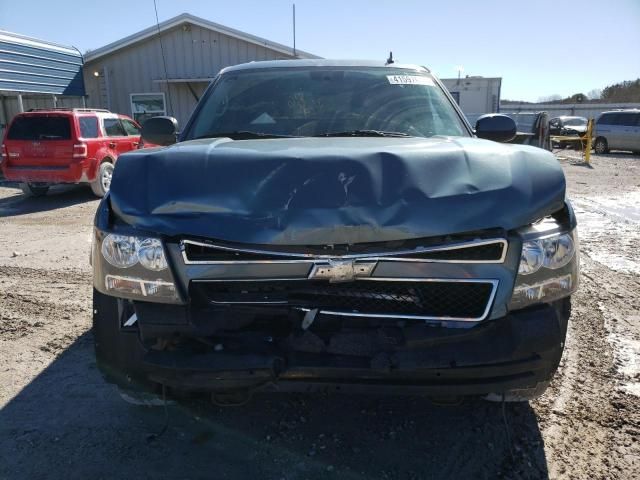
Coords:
333,225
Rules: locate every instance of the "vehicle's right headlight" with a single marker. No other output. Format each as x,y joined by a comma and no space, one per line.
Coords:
124,251
120,250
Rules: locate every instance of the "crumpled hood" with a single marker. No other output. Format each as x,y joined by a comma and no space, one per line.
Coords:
334,190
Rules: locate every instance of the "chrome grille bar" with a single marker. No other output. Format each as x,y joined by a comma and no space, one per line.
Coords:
393,256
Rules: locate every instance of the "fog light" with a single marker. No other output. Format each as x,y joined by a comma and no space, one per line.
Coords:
140,288
546,291
128,286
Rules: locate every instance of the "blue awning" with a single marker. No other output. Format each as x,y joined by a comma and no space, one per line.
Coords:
28,65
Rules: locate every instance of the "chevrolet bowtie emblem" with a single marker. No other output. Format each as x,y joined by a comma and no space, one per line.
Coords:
342,270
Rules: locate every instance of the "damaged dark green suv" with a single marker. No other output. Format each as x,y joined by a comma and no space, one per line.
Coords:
334,225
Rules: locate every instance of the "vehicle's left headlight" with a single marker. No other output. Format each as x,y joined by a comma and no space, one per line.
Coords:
548,270
552,252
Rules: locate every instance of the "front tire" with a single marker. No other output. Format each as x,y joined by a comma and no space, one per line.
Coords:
601,146
100,186
34,190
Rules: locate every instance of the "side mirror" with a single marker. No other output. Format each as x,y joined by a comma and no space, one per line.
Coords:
160,131
496,127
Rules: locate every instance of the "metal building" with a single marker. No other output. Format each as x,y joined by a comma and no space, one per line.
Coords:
37,74
475,95
588,110
128,76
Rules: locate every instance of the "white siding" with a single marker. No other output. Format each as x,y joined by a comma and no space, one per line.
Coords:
190,52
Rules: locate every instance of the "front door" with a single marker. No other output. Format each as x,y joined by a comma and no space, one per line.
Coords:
117,139
631,132
609,128
133,132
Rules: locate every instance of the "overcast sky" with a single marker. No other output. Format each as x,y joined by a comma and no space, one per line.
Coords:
539,47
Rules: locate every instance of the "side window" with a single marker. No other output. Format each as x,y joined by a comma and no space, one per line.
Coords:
113,127
555,123
637,122
626,120
88,127
130,128
617,119
606,119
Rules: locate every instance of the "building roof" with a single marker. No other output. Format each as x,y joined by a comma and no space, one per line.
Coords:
186,18
30,65
322,63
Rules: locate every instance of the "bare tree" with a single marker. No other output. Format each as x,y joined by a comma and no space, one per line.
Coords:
594,94
550,98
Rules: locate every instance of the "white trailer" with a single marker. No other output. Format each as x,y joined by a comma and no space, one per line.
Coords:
475,95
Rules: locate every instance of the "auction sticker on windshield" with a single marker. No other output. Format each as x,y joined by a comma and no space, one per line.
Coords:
409,80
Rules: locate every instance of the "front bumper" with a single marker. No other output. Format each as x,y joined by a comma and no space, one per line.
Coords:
518,351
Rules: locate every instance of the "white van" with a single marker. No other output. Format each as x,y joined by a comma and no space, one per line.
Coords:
618,130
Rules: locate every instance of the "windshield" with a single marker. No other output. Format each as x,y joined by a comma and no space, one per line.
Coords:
325,101
576,121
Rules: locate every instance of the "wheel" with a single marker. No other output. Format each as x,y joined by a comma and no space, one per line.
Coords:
34,190
601,146
102,183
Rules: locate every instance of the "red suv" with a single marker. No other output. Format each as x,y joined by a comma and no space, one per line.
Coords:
46,147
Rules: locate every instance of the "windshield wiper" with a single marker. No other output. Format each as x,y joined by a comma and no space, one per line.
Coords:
363,133
242,135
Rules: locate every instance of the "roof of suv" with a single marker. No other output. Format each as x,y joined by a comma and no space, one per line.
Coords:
67,110
568,117
98,112
625,110
322,63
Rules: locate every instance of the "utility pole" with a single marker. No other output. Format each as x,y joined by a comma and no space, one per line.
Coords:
460,70
295,55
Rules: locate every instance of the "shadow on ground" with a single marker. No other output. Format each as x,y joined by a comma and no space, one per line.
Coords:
69,423
58,197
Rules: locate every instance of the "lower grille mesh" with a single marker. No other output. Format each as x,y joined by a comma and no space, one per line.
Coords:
465,300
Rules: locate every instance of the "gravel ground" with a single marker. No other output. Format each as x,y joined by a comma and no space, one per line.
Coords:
59,419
